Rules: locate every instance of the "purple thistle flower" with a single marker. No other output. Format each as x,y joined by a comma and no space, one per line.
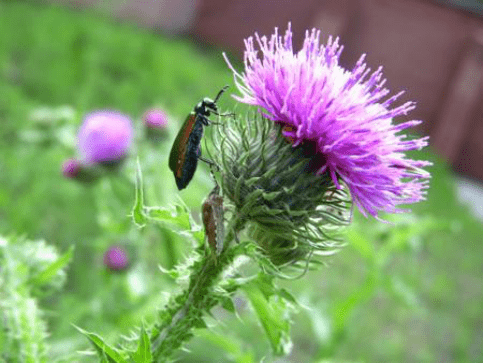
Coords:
116,258
340,116
104,137
155,119
74,169
71,168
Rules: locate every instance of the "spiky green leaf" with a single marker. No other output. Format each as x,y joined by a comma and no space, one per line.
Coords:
273,313
143,353
51,271
102,348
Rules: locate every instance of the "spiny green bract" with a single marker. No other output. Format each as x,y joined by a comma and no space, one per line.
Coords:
292,211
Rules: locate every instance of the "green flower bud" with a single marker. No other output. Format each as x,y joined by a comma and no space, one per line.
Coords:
292,211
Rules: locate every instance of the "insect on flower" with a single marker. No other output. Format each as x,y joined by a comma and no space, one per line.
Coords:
212,215
185,151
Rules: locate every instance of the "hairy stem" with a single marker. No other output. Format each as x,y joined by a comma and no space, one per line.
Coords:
185,311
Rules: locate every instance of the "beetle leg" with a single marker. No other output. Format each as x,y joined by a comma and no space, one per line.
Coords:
209,162
224,114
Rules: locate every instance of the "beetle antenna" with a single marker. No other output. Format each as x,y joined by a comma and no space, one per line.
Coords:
220,93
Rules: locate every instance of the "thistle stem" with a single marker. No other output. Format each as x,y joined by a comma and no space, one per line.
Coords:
185,311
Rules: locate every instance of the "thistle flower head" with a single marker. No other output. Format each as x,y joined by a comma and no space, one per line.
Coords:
116,258
342,118
104,137
155,118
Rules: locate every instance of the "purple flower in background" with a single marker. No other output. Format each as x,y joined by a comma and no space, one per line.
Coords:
341,116
155,119
116,258
71,168
156,123
104,137
74,169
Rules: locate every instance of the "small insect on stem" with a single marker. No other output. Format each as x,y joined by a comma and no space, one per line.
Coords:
213,220
185,151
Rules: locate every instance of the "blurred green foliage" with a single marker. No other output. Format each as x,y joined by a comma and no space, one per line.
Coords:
29,269
411,291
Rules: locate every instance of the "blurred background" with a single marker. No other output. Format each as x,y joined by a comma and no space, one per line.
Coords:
432,49
409,292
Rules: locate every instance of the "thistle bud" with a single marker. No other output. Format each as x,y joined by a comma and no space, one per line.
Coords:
291,210
74,169
71,168
116,258
155,118
156,122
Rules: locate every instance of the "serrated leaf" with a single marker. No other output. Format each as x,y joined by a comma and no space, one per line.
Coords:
143,353
138,215
47,274
273,315
180,218
102,348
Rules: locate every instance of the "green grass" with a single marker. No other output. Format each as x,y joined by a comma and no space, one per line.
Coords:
424,303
